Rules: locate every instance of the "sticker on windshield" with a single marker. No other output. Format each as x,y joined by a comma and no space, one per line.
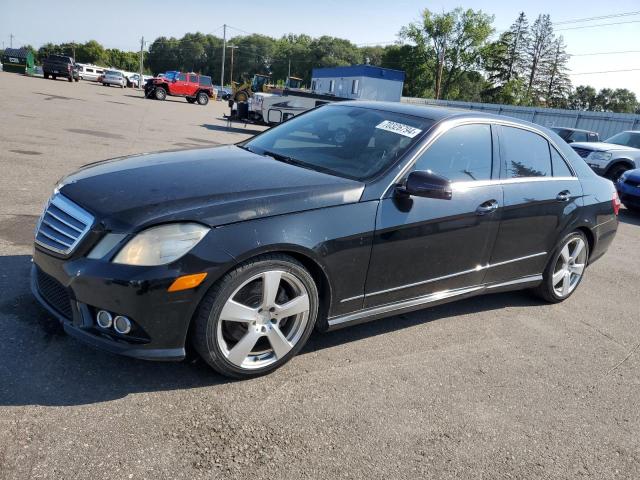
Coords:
399,128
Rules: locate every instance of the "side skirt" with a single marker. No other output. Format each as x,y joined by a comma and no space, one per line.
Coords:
432,299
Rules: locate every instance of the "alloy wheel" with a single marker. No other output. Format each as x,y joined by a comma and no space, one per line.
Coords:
569,267
263,319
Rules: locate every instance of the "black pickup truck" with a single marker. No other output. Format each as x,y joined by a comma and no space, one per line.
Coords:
60,66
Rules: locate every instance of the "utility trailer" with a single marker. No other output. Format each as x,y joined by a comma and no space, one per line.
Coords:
272,109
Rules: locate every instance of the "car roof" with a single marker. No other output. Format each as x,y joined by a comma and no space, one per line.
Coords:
436,113
572,129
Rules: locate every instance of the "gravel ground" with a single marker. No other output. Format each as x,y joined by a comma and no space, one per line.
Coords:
495,387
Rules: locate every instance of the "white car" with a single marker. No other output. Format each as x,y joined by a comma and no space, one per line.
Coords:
114,77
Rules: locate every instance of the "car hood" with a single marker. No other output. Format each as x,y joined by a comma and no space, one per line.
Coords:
214,186
633,175
602,146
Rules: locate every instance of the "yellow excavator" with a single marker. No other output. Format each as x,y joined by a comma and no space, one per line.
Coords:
243,91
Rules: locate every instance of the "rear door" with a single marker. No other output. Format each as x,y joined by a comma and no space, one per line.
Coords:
425,245
541,195
193,84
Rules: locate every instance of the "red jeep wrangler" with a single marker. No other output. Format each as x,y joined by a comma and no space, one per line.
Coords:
192,86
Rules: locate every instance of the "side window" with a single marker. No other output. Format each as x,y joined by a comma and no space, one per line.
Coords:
355,84
193,79
332,86
579,137
313,86
526,153
463,153
593,137
560,168
182,77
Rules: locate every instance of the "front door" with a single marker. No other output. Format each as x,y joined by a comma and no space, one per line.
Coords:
424,245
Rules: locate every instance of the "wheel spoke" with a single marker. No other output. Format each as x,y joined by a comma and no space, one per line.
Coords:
237,312
298,305
270,285
565,254
566,284
557,277
279,343
578,249
241,350
577,268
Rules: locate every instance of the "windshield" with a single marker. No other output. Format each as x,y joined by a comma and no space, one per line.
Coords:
347,141
629,139
113,73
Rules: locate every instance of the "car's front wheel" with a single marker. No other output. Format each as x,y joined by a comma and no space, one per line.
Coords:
565,269
257,317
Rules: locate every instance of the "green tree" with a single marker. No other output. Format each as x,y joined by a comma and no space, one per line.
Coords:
582,98
555,75
453,40
539,52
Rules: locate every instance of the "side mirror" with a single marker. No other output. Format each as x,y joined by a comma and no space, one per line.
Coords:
425,183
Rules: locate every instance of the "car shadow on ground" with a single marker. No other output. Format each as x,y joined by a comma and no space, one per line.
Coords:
629,216
41,365
230,129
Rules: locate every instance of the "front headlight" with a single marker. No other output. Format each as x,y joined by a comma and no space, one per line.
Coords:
161,245
600,156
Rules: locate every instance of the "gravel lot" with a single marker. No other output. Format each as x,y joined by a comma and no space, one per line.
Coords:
500,386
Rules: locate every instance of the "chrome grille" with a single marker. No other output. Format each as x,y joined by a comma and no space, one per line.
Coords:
583,152
62,225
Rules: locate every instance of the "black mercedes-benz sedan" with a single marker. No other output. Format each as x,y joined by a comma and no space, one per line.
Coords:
347,213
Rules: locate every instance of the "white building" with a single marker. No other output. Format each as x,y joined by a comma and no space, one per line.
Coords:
359,82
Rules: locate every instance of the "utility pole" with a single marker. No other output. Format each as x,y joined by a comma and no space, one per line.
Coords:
232,47
141,60
289,73
11,40
224,50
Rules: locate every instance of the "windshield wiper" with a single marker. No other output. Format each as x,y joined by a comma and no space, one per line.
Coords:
282,158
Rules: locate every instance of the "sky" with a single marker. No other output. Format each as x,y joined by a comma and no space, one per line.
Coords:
121,24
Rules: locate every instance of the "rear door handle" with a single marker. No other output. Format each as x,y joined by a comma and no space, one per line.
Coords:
564,196
487,207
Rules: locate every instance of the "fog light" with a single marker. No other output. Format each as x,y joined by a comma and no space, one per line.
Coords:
104,319
122,325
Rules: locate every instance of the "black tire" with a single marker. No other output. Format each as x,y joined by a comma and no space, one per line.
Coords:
70,79
202,98
53,77
46,76
77,79
546,289
207,316
191,100
615,172
160,93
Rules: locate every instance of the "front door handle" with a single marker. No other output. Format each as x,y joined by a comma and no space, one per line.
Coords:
564,196
487,207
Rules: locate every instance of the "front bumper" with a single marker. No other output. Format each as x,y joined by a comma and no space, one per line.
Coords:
73,290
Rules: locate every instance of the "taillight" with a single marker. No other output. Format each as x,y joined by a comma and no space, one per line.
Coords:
616,202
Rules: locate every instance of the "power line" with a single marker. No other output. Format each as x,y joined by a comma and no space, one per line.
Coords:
602,17
607,71
603,53
597,25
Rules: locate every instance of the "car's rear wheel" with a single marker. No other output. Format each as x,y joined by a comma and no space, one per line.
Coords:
615,172
565,269
70,79
257,317
160,93
53,77
202,98
46,76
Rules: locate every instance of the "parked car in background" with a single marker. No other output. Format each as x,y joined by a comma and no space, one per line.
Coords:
135,80
612,157
628,186
571,135
350,212
114,77
194,87
55,66
89,72
223,93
